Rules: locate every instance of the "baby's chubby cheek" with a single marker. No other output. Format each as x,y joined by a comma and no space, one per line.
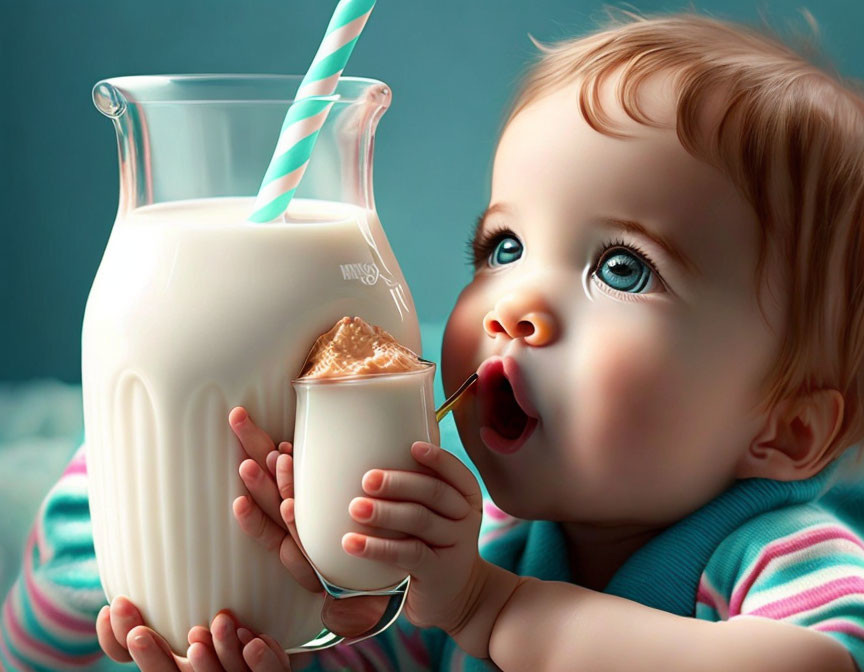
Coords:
625,391
461,348
626,380
650,418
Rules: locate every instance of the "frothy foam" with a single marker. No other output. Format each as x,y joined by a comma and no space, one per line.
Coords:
353,347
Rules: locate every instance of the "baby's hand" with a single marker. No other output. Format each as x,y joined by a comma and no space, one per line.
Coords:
264,516
442,514
269,518
225,646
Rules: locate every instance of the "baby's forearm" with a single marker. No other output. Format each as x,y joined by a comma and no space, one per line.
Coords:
491,593
559,626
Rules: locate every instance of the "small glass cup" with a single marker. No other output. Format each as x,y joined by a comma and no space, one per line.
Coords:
344,427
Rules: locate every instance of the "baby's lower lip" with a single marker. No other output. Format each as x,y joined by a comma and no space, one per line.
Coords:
500,444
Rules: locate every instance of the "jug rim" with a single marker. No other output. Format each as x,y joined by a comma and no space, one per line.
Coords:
147,87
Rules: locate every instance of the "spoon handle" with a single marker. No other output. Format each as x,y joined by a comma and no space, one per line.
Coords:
453,398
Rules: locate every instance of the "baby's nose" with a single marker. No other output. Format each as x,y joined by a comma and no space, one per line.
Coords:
524,314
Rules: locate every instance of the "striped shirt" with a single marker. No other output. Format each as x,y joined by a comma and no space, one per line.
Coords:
798,564
48,620
801,562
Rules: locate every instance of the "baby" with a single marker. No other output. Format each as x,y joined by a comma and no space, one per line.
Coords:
667,318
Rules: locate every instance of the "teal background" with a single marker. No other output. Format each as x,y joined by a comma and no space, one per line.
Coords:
453,66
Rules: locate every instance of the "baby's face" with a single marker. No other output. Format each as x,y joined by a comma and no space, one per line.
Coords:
643,368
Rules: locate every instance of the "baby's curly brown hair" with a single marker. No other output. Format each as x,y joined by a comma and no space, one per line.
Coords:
790,135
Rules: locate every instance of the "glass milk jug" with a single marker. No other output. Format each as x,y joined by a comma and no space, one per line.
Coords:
194,311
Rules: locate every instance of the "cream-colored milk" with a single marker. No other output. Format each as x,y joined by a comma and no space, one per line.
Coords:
192,312
345,428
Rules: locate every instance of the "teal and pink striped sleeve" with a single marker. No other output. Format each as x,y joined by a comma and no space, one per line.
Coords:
48,620
801,565
495,523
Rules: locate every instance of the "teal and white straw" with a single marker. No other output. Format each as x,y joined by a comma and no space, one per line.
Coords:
306,116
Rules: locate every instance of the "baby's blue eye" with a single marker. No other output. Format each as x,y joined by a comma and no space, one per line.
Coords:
624,271
506,251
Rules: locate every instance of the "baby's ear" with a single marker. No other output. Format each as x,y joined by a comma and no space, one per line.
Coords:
795,441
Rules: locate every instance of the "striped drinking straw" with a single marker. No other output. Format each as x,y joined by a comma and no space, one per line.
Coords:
305,117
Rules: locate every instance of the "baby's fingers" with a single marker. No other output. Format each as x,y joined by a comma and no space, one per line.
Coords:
411,486
412,555
203,658
262,487
152,653
201,654
107,640
292,556
263,656
254,523
122,616
451,469
281,656
255,441
407,517
200,633
285,473
227,644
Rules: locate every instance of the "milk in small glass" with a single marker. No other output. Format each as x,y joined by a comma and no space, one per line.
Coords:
346,426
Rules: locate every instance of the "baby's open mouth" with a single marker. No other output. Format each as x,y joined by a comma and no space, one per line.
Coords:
505,424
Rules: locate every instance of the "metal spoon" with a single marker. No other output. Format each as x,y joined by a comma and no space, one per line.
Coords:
447,406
